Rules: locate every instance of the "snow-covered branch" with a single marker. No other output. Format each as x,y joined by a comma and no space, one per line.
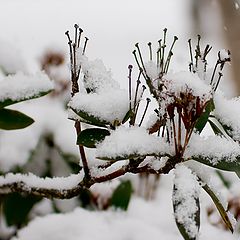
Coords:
71,186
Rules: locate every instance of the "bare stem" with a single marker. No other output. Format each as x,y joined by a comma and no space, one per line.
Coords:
75,89
150,50
130,85
145,110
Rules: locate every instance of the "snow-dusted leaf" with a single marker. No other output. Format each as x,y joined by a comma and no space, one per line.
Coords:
9,101
107,106
121,196
219,207
227,129
20,87
202,121
181,227
11,120
186,202
125,143
227,113
90,119
215,128
127,116
238,173
222,164
215,151
92,136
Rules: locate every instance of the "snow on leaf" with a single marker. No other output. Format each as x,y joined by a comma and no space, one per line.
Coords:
20,87
134,141
185,201
107,106
214,149
227,111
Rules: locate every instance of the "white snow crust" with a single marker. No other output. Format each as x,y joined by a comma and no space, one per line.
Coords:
228,111
185,81
107,106
106,100
31,180
187,191
18,86
215,148
131,141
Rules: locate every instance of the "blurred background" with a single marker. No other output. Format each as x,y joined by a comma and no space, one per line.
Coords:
113,28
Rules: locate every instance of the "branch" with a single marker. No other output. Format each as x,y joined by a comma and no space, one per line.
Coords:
68,187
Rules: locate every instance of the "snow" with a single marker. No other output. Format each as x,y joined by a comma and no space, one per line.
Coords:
31,180
184,81
108,106
152,119
224,54
207,176
16,146
106,100
152,70
106,224
214,148
19,86
132,141
143,220
186,192
97,77
228,111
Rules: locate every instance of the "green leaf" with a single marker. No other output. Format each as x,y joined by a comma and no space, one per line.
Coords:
215,128
9,101
122,195
181,227
238,173
228,130
72,161
225,181
202,121
219,206
130,156
91,136
222,164
90,119
17,207
11,119
128,115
